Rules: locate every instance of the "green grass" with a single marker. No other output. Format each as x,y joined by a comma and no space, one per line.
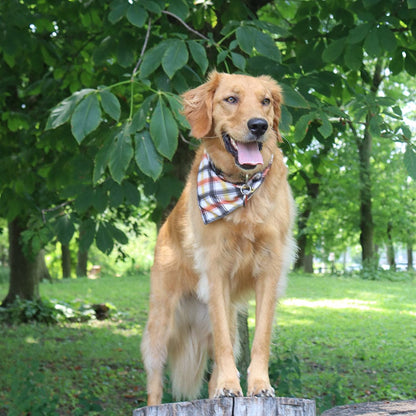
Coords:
355,341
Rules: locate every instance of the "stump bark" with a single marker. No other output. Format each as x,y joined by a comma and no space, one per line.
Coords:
239,406
386,408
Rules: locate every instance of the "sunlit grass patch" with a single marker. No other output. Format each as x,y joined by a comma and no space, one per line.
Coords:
356,339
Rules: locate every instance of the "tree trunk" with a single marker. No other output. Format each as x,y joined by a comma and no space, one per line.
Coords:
364,156
366,214
302,240
409,256
43,268
24,281
308,264
305,259
390,247
82,262
66,261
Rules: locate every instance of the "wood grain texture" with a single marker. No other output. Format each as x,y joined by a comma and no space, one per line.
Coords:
240,406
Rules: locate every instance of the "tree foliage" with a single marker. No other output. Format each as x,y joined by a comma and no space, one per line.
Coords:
111,73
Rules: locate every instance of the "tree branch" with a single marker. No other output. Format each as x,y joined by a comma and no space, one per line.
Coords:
56,208
146,40
186,25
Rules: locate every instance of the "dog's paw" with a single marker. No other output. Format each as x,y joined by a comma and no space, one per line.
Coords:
220,393
261,389
265,393
229,388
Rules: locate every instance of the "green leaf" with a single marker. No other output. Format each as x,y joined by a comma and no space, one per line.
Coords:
86,234
372,44
397,62
411,4
116,196
353,57
136,15
125,51
62,113
326,128
410,161
385,101
139,119
164,130
266,46
153,6
104,239
152,59
375,126
83,200
118,10
358,33
101,160
121,155
238,60
292,98
179,8
370,3
147,158
64,229
246,36
302,126
99,199
175,57
410,62
286,119
110,104
333,50
131,193
387,39
221,57
176,107
406,132
117,234
86,117
397,110
199,55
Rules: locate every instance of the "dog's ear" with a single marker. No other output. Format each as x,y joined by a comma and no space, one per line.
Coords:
277,100
197,106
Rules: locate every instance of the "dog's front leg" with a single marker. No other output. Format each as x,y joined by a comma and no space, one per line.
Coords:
224,380
258,375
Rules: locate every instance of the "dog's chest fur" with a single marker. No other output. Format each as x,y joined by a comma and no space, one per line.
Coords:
240,255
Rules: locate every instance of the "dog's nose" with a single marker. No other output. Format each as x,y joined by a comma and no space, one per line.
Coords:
257,126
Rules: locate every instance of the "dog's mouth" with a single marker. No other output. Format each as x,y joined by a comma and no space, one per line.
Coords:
246,154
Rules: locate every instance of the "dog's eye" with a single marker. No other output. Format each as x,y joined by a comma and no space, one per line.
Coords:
266,101
231,100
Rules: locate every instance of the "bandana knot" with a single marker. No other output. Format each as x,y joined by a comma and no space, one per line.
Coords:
218,197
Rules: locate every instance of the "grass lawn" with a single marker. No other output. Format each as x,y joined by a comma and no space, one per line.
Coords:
355,341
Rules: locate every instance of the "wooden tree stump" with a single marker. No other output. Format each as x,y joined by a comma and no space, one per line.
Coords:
386,408
239,406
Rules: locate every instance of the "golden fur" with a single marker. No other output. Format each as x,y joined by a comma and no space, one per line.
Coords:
202,273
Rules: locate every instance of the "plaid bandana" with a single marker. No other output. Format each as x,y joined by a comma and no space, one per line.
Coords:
217,197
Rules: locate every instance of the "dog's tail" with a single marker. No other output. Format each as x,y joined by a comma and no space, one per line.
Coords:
188,348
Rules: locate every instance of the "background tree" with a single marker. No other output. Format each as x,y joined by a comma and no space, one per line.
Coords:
344,52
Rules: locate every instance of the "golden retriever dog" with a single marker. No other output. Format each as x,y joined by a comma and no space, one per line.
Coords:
228,236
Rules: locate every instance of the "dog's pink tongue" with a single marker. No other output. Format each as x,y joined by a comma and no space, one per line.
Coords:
249,154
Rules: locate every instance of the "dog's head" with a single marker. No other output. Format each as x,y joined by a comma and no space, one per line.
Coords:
237,116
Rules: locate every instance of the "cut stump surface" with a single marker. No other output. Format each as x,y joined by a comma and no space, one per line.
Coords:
239,406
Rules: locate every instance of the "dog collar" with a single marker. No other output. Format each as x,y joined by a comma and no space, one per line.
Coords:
218,197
